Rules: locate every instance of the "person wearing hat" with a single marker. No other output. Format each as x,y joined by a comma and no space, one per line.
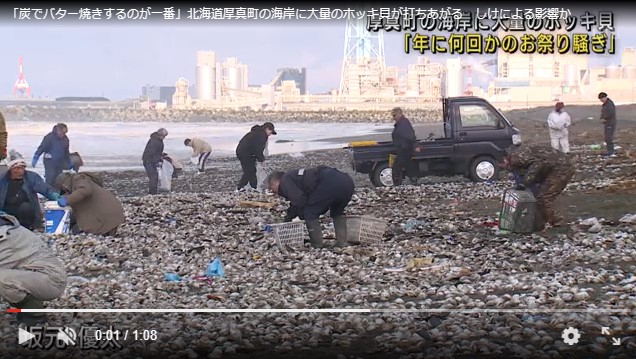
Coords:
152,158
200,148
404,140
95,209
19,190
55,147
558,122
249,150
608,118
30,272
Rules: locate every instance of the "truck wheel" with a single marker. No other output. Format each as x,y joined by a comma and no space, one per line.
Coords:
382,175
482,169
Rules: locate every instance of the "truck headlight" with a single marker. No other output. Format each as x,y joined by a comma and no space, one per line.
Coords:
516,139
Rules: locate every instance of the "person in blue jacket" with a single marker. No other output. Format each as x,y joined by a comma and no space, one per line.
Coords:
55,147
19,190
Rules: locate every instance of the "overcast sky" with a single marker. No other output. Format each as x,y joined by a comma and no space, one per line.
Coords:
116,61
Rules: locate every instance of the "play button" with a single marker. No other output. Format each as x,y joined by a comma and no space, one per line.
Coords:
24,336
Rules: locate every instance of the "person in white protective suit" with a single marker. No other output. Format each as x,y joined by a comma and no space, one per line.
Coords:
29,271
558,122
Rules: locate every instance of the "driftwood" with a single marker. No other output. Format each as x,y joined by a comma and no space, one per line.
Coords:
256,204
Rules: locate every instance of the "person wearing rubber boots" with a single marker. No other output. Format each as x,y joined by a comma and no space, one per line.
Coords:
403,137
546,172
311,193
29,271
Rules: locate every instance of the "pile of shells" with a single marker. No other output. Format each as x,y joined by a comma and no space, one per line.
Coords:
470,287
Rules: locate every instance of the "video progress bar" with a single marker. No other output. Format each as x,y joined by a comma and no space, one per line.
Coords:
328,311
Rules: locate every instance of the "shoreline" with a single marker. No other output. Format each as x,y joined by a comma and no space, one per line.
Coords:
420,115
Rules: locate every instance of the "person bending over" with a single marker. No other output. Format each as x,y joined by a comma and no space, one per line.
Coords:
95,209
311,193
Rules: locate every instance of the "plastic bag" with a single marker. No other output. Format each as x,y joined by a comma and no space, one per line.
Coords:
261,175
266,150
215,269
194,160
165,176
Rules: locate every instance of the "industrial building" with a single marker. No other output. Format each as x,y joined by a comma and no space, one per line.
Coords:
232,78
152,93
298,76
181,97
206,75
424,79
453,78
367,82
533,78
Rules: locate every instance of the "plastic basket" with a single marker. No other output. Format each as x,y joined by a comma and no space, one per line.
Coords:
518,211
290,234
365,230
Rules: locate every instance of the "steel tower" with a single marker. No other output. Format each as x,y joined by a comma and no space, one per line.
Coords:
363,63
21,85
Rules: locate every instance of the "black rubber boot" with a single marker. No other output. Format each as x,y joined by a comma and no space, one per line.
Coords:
315,233
340,226
30,319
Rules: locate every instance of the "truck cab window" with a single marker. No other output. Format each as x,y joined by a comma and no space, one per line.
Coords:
477,116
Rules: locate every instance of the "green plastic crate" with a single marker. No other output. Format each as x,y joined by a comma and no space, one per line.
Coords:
518,211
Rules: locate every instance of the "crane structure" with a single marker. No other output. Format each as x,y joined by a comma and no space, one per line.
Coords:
470,67
21,85
363,66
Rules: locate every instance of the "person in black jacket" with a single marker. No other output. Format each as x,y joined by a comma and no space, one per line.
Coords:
608,118
249,150
153,158
311,193
55,147
403,137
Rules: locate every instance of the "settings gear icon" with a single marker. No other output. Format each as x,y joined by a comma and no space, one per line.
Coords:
570,336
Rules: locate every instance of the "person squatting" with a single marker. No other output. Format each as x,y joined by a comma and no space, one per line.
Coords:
30,273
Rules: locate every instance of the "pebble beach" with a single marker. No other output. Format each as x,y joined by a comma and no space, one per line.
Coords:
457,285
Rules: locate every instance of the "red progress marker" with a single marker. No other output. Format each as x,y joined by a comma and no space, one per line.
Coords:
13,310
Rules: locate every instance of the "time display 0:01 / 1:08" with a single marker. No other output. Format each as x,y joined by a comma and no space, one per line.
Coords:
145,335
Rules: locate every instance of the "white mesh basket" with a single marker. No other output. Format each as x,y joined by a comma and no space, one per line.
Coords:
290,234
365,230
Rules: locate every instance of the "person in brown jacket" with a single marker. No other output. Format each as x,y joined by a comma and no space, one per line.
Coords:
95,209
199,148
